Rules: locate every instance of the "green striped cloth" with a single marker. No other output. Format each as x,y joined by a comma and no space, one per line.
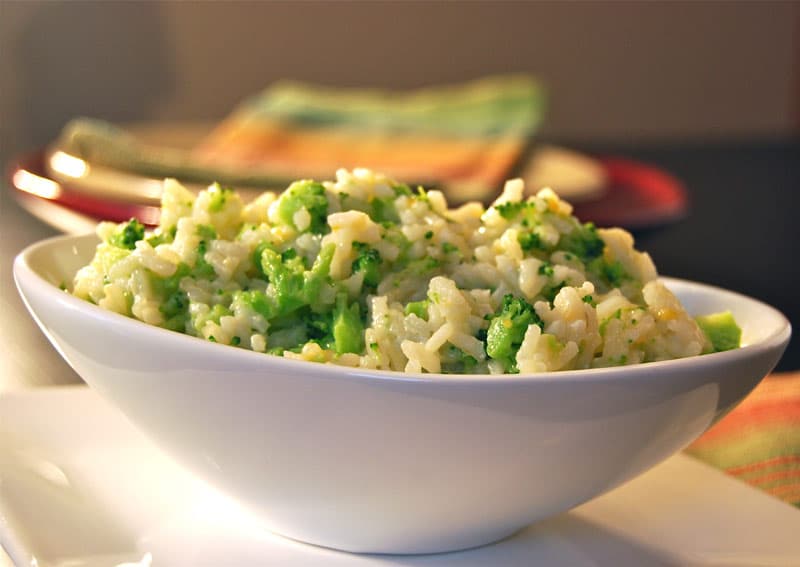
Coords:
759,441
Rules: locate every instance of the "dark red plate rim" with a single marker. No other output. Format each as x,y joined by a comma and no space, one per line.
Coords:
638,195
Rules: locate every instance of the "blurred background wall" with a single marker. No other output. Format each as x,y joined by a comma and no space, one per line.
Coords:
616,71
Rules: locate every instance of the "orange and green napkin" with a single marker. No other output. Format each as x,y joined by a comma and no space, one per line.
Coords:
466,139
759,441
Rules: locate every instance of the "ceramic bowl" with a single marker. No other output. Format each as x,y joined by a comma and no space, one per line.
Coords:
373,461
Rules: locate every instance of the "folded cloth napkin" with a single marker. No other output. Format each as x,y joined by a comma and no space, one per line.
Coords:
465,139
759,441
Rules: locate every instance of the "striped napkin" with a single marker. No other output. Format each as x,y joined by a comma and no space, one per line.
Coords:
759,441
465,139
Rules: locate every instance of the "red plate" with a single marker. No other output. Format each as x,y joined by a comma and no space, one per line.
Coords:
638,196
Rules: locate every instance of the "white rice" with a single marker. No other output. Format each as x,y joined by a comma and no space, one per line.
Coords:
462,261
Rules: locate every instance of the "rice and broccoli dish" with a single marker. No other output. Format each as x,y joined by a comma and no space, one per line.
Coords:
367,272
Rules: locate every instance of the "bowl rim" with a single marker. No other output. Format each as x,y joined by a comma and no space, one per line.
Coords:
25,276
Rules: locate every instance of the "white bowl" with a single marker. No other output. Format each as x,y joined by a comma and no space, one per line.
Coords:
373,461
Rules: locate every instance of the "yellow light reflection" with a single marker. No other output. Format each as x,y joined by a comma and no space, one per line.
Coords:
68,165
35,185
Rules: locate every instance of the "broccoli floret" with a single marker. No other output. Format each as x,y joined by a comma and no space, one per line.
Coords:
320,328
402,189
257,300
510,209
546,269
316,276
175,304
608,274
614,273
530,241
291,285
584,242
369,262
382,210
174,301
286,279
127,235
507,330
348,329
309,195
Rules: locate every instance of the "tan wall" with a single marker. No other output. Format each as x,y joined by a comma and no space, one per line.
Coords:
616,70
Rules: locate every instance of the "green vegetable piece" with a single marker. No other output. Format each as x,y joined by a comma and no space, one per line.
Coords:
127,235
530,241
507,330
287,279
584,242
162,237
320,329
219,196
175,304
258,301
176,323
257,253
382,210
546,269
402,189
510,209
614,273
206,232
309,195
418,308
721,329
202,269
369,262
423,266
348,329
217,312
314,278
